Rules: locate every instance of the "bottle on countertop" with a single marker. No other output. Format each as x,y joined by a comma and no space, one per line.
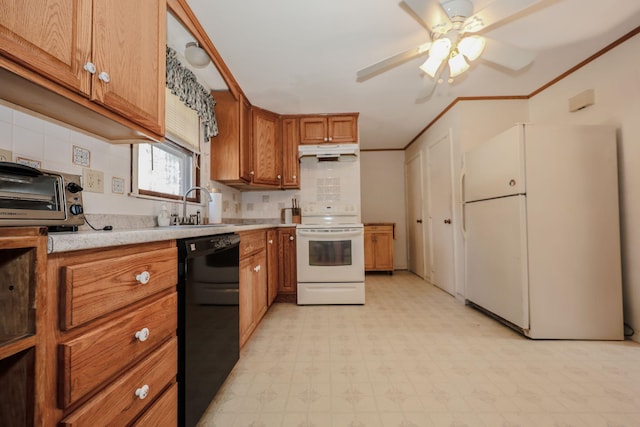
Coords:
164,219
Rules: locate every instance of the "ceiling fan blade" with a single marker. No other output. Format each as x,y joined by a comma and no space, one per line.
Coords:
392,61
428,86
494,13
506,55
431,13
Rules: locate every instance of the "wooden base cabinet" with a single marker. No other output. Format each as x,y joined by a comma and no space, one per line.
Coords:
378,247
111,335
253,281
23,253
287,268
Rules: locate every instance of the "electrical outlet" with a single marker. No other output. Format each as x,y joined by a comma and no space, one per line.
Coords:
5,155
93,181
117,185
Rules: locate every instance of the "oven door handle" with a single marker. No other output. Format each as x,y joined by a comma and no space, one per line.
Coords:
330,235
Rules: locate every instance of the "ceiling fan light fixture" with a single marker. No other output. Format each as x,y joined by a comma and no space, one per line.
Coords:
196,55
472,47
431,65
457,65
440,48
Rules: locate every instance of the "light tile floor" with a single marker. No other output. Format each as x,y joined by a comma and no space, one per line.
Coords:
414,356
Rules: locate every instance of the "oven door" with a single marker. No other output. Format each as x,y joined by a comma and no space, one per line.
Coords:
330,254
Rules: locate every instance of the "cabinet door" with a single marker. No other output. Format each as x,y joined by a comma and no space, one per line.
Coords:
247,321
384,251
267,148
129,46
287,267
369,250
290,162
259,285
272,266
313,130
343,129
246,153
52,37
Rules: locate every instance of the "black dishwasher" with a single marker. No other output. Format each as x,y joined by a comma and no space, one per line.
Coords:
208,320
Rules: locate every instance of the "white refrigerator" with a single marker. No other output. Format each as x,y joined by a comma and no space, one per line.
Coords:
541,227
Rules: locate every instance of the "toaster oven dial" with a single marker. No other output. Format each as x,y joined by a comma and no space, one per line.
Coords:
74,188
75,209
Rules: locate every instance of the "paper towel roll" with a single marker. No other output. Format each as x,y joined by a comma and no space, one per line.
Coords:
215,208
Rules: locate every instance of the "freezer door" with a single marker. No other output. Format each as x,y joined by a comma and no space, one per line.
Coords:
496,257
495,168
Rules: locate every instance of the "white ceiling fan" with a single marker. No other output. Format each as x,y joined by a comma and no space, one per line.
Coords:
454,40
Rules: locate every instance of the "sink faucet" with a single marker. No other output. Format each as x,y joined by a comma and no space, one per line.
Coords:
184,200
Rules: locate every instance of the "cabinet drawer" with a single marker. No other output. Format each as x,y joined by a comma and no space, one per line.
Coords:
379,228
93,289
252,242
118,403
92,358
163,412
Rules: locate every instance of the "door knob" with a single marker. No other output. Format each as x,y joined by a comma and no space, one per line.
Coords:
447,221
419,221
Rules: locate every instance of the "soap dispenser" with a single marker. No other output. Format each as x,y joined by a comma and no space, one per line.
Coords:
164,219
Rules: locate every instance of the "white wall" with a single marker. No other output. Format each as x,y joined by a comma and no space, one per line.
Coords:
615,78
382,189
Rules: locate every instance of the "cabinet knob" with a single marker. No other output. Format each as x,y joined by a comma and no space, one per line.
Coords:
271,241
294,177
142,334
252,173
142,392
90,67
330,139
257,268
291,238
104,76
143,277
279,176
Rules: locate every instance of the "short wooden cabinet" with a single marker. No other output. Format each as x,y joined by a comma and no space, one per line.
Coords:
111,334
267,148
288,284
378,247
330,128
23,253
290,161
272,265
231,154
111,52
253,281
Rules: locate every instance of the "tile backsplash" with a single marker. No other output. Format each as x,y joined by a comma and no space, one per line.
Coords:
31,136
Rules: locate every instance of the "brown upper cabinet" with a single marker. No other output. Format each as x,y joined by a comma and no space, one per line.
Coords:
290,162
110,53
329,129
267,148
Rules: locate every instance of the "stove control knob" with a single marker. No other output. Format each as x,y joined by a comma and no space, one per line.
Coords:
74,188
76,209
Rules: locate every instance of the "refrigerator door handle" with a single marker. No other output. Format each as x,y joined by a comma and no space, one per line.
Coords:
463,222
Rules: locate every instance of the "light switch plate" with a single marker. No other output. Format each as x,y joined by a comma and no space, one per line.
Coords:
5,155
117,185
81,156
93,181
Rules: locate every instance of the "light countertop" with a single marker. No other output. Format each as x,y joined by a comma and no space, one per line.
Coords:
74,241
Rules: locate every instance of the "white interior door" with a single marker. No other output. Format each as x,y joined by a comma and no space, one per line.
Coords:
415,232
440,193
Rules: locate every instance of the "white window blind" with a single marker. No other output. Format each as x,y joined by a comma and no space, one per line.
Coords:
182,124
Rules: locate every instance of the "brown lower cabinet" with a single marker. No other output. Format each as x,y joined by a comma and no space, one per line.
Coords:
111,345
287,268
378,247
253,281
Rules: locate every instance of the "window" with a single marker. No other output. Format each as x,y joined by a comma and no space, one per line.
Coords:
164,170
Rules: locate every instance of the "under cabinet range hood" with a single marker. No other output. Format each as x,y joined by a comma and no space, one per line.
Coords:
328,151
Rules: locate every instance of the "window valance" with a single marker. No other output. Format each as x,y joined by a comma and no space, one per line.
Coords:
184,84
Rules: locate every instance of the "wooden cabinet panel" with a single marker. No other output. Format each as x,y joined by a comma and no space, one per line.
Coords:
231,159
98,287
247,321
272,265
163,412
129,40
253,281
90,359
330,128
59,53
267,148
378,247
288,283
118,404
290,161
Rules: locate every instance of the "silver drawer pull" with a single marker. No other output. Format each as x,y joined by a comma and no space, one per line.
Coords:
142,392
143,277
142,334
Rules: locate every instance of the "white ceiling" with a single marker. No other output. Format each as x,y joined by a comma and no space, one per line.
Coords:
301,56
